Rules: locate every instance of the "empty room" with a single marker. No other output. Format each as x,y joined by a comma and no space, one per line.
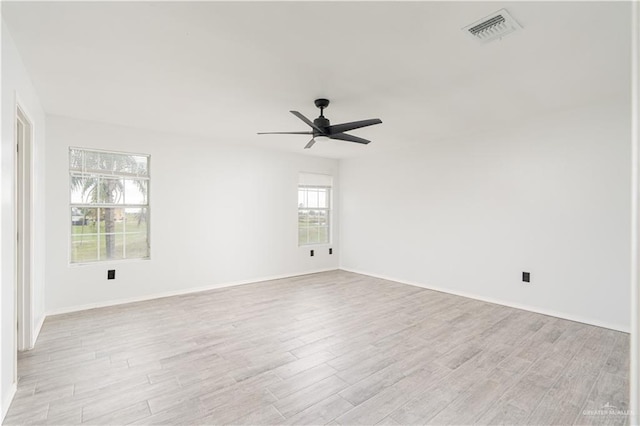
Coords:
319,213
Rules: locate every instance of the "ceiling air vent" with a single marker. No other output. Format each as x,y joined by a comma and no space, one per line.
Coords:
492,27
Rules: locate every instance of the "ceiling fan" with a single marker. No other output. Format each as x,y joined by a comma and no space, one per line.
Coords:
320,127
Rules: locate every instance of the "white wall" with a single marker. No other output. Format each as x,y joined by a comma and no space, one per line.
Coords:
16,85
220,214
468,215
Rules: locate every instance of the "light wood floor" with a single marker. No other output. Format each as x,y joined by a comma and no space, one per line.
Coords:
335,347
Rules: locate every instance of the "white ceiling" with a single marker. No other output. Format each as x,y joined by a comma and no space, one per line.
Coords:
229,70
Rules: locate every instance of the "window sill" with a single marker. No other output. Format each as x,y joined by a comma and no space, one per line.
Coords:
108,262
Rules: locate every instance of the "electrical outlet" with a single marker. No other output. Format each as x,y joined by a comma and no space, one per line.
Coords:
312,254
330,251
526,277
111,274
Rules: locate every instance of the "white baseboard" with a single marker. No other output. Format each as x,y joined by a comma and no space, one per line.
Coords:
36,331
70,309
6,401
562,315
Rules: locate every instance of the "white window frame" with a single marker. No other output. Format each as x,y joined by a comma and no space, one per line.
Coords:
328,211
99,174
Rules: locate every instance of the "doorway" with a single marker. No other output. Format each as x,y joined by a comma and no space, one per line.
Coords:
23,191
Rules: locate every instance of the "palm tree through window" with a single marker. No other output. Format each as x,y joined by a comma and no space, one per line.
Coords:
109,205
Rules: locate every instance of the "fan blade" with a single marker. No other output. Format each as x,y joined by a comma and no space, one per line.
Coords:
348,138
306,120
285,133
345,127
310,144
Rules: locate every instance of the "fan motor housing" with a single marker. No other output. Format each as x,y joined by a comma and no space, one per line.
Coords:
321,122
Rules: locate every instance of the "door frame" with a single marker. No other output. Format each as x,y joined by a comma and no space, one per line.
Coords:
23,219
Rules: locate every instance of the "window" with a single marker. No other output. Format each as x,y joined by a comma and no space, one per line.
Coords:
109,205
314,209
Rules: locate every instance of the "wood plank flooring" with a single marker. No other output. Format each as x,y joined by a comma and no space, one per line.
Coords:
329,348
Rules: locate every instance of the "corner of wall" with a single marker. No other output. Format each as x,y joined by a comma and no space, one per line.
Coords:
17,85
